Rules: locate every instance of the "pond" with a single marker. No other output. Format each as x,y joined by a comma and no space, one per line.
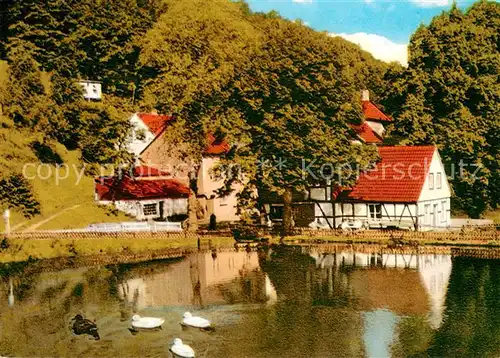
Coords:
277,302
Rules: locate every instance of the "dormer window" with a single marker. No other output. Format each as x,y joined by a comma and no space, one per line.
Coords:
140,134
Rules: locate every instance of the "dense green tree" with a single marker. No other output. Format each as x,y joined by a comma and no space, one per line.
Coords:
296,98
86,39
450,96
15,192
193,50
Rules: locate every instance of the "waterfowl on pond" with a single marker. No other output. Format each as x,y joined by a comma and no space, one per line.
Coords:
180,349
193,321
85,326
146,322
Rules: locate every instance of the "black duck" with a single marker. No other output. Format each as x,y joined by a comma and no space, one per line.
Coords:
85,326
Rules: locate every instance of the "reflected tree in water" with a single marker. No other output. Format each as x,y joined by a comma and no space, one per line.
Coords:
307,321
413,336
471,325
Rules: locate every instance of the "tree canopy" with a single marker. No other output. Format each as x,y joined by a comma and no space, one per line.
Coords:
289,109
450,96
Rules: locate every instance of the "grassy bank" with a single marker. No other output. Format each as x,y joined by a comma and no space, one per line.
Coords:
65,194
21,249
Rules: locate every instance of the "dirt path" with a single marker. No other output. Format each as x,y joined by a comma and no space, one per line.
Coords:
40,223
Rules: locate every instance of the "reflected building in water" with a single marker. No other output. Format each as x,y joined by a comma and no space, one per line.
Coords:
388,286
417,284
200,279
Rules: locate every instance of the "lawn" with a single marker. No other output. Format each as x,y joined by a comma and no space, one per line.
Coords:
22,249
66,198
493,215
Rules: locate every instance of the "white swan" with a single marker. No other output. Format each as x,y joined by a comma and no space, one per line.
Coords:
180,349
189,320
146,322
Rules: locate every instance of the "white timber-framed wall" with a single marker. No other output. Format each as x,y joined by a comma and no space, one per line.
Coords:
432,210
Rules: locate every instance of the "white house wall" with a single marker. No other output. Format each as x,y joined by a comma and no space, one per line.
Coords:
434,213
436,167
377,127
135,207
359,211
130,207
434,202
136,145
224,208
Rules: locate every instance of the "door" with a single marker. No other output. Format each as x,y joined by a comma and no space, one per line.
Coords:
435,215
162,210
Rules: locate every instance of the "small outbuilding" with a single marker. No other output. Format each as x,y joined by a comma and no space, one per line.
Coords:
146,193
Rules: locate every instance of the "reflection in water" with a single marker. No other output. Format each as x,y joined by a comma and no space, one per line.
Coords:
379,326
201,280
288,301
11,292
404,283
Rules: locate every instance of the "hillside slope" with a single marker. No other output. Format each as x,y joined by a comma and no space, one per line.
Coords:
64,195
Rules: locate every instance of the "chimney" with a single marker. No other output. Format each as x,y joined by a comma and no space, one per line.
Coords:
154,111
365,95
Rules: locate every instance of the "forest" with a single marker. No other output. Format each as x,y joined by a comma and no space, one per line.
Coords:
275,87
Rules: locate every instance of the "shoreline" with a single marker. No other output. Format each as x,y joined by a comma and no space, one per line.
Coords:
121,248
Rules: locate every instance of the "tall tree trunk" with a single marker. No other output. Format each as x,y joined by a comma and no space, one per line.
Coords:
192,215
287,211
193,200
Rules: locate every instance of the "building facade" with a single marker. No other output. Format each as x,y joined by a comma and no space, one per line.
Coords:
145,194
408,188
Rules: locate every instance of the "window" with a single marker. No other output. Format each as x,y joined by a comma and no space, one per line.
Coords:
375,211
276,212
224,200
427,214
443,211
431,181
438,181
149,209
140,134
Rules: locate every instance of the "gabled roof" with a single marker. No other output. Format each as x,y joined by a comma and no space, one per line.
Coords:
372,113
216,146
366,133
399,176
113,189
155,122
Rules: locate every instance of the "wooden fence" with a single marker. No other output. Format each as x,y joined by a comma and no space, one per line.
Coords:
75,235
482,234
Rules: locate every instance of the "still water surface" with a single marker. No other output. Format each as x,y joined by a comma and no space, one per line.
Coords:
282,302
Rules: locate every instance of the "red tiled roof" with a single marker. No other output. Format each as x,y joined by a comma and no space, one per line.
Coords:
366,133
216,146
155,122
108,189
398,177
145,171
371,112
